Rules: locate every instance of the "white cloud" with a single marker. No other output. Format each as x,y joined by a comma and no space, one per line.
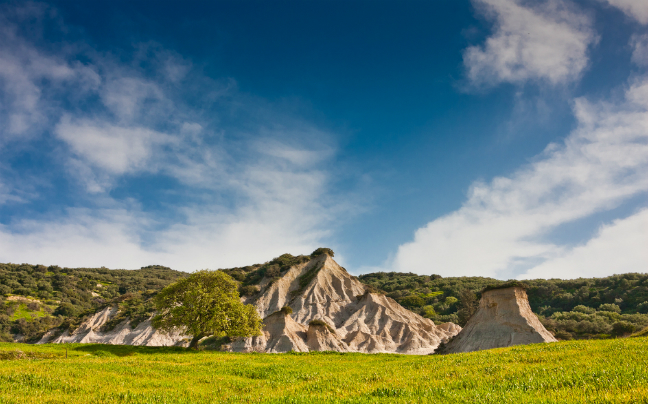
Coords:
637,9
278,210
25,106
640,49
617,248
544,40
112,148
241,193
499,230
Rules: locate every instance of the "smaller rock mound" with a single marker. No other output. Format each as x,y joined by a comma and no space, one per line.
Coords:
280,334
504,318
322,337
123,334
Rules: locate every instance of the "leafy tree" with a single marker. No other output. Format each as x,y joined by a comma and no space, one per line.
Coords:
321,251
412,301
622,328
469,305
610,307
205,303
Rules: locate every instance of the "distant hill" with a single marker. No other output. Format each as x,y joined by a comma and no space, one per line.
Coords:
35,298
577,308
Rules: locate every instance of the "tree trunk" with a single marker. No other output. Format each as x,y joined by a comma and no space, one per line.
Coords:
194,341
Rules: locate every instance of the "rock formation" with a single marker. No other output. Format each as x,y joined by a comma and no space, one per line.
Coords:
504,318
356,320
347,318
90,332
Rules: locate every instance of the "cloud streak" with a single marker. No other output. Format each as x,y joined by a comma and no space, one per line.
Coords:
636,9
501,229
245,191
546,41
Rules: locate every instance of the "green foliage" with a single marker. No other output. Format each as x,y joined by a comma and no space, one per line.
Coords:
578,372
321,323
621,328
642,333
306,278
626,294
248,290
254,274
584,309
469,305
429,312
412,301
203,304
135,307
321,251
286,310
67,295
610,307
505,285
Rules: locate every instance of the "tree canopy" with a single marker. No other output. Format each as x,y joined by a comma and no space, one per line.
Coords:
205,303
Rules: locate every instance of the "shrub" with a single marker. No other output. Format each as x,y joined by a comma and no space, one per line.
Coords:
428,312
412,301
321,251
287,310
622,328
249,290
318,322
66,310
584,309
564,335
610,307
505,285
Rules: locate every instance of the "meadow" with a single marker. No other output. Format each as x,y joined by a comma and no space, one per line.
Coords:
602,371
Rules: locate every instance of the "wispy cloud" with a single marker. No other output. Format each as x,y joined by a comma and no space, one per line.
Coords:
637,9
639,45
246,191
543,40
500,230
619,247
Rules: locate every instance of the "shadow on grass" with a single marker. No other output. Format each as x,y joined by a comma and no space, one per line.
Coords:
126,350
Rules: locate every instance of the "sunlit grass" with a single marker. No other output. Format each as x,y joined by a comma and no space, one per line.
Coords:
23,312
604,371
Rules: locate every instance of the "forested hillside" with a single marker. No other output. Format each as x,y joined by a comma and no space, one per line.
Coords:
577,308
35,298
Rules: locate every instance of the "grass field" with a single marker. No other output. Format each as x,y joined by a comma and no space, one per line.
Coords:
603,371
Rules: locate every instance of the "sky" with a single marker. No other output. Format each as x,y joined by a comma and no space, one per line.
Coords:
500,138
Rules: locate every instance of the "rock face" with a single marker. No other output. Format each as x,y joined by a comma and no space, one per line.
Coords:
504,318
90,332
358,321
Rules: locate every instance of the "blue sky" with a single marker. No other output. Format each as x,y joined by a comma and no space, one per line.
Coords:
504,138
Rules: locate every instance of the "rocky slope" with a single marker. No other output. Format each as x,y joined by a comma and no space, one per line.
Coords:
350,319
330,310
504,318
90,332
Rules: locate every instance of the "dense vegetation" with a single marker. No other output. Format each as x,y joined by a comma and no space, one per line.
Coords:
604,371
577,308
35,298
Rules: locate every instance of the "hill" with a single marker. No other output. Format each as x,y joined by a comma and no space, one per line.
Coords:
35,298
575,308
604,371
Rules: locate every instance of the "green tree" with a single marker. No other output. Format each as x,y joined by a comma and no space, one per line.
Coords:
468,306
205,303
